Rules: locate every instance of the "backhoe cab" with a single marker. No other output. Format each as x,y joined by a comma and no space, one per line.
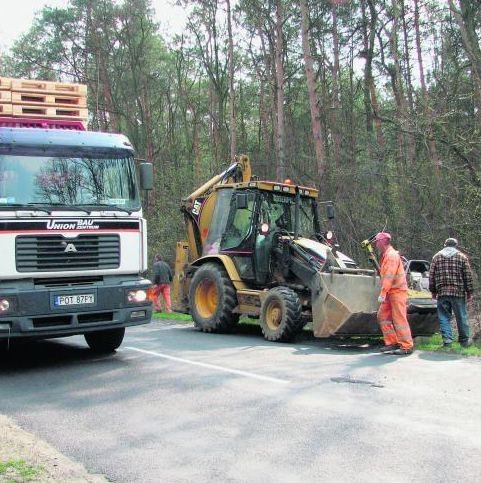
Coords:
257,248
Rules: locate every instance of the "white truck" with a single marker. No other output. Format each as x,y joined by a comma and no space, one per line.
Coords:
73,242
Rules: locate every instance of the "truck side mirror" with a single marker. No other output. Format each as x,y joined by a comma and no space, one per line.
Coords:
330,212
146,172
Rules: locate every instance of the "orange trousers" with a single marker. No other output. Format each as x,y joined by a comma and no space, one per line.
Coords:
164,289
393,321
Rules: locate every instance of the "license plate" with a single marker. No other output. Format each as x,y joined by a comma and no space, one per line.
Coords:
83,299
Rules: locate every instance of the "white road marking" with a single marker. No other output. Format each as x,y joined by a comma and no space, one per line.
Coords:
210,366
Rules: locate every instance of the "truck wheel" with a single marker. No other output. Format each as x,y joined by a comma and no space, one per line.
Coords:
105,340
281,314
212,298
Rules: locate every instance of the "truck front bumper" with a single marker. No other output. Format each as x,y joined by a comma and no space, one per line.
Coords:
43,312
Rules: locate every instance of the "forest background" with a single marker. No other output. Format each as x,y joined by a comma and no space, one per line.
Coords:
375,102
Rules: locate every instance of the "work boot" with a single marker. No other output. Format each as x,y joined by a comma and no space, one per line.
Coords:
447,345
388,348
466,343
402,352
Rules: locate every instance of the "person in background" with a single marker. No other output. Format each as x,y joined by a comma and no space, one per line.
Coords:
162,279
392,313
451,282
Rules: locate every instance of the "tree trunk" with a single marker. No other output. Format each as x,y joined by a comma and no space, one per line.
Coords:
336,106
407,58
466,19
313,100
433,152
370,37
281,155
233,123
395,71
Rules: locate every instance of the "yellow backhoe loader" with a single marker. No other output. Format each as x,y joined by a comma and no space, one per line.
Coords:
256,248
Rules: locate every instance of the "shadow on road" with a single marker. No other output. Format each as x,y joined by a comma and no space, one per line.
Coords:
36,354
26,355
440,356
250,335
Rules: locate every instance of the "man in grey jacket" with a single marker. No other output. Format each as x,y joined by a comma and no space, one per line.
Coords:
451,282
162,279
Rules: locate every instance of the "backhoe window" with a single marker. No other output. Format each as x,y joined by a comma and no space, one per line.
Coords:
280,212
239,225
219,221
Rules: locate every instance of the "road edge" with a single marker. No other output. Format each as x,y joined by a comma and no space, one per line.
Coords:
17,444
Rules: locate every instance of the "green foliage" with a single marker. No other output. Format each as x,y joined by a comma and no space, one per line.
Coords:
172,316
398,157
435,344
18,470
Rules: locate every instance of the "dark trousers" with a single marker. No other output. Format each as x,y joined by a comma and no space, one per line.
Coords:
447,305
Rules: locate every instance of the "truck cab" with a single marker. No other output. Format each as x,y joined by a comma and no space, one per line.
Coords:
72,236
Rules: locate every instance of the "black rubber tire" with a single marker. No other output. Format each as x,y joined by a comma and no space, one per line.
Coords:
105,341
302,322
211,281
281,315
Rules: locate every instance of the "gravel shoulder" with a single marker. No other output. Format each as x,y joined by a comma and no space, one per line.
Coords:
48,464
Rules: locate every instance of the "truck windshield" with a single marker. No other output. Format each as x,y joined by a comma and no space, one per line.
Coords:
68,181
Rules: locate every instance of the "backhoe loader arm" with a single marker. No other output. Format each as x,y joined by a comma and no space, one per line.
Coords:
236,172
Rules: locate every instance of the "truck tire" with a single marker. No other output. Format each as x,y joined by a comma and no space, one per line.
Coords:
212,298
281,315
105,341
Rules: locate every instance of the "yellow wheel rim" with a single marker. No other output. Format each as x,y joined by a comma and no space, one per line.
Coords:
273,315
206,298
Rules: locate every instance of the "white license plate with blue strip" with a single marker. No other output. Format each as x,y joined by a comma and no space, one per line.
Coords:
80,299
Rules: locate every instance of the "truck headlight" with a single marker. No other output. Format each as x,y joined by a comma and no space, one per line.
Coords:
136,296
4,305
8,305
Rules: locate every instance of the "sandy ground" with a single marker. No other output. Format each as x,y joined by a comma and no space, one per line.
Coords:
17,444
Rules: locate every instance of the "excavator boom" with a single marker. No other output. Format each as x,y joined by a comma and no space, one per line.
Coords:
240,171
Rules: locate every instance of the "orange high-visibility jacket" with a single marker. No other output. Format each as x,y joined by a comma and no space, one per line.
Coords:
393,278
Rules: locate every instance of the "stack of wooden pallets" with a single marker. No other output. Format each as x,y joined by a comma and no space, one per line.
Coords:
21,98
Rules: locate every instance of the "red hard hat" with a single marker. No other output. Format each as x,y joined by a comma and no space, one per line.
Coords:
383,236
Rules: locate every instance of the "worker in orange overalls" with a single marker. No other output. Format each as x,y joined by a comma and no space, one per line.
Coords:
392,313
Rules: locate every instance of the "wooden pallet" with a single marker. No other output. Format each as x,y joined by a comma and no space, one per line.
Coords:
5,109
5,83
35,99
6,96
50,112
48,87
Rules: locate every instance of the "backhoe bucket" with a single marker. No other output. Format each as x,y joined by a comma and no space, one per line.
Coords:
345,304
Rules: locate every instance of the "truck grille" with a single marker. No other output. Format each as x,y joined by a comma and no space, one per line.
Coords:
54,253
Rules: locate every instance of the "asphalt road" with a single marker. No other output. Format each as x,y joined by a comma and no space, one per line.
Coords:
176,405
